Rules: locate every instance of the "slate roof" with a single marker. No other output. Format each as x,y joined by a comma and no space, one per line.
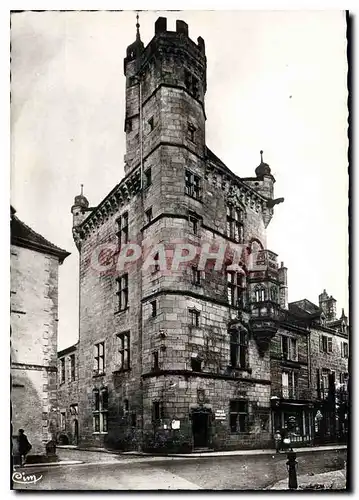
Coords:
304,309
23,236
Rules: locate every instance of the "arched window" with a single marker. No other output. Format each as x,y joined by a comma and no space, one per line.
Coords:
260,294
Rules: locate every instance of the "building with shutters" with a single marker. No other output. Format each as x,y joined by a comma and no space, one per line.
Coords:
188,356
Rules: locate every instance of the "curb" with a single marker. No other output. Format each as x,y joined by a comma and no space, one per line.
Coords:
40,464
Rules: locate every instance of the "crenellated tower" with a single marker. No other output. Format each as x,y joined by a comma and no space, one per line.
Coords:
165,88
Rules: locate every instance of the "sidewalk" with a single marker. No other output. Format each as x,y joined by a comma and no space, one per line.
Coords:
67,453
335,480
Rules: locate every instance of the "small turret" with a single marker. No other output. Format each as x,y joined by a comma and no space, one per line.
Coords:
135,50
283,287
263,173
79,208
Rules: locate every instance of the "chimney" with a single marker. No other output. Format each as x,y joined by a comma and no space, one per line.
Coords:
161,25
283,287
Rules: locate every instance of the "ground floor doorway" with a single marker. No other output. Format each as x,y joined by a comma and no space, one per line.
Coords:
201,429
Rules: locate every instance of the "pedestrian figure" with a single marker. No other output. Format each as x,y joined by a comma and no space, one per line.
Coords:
285,439
277,440
24,446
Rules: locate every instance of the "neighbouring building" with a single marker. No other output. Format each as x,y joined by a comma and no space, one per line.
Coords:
67,396
196,356
34,317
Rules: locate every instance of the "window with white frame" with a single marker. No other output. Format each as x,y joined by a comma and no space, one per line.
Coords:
326,344
289,348
289,384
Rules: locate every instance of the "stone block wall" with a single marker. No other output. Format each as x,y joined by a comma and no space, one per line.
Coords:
34,309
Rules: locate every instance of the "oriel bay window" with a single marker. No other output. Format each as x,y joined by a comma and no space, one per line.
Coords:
122,292
260,294
100,410
235,218
238,348
238,416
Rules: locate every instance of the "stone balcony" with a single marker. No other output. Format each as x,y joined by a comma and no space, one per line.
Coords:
263,322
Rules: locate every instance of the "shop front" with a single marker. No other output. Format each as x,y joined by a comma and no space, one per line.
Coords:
294,419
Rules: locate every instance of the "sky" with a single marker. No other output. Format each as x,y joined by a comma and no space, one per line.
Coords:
276,81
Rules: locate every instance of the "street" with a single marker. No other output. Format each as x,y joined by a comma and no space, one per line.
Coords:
172,473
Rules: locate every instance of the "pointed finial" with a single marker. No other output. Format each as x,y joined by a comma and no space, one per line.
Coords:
82,189
261,152
137,27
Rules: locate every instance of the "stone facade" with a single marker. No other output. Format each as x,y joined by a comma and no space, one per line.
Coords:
166,360
34,317
67,396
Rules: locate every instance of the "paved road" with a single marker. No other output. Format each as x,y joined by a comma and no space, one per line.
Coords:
214,473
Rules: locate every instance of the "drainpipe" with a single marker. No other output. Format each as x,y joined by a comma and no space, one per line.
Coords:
141,135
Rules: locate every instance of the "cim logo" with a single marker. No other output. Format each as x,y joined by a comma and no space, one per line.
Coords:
23,478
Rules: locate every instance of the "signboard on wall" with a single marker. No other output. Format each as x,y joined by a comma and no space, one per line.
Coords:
175,424
220,415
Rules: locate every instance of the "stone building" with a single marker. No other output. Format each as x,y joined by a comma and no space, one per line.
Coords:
328,364
180,356
67,396
34,316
